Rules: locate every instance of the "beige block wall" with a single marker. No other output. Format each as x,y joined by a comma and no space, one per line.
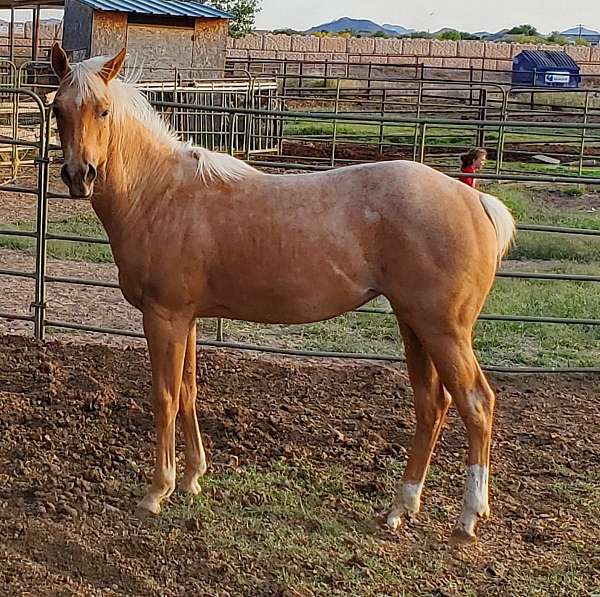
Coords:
444,49
499,51
457,62
401,60
360,45
336,45
389,47
579,53
304,43
263,54
250,42
318,57
417,47
278,43
471,49
461,54
429,61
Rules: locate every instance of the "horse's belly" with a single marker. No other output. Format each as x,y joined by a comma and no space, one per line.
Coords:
286,300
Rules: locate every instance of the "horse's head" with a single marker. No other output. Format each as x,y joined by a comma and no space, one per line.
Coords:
82,107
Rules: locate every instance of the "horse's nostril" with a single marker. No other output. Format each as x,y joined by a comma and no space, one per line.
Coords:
91,175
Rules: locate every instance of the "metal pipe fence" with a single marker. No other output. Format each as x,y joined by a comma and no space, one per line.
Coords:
44,151
421,98
356,66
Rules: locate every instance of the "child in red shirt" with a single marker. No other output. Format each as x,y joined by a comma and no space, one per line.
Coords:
472,162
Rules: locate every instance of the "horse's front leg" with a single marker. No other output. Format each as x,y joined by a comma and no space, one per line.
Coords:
166,334
195,458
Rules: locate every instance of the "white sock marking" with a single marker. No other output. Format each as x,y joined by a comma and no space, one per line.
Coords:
475,502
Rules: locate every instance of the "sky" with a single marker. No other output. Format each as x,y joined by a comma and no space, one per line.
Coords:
468,15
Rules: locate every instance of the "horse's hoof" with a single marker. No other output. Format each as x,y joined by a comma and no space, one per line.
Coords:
147,509
192,488
460,538
396,518
143,514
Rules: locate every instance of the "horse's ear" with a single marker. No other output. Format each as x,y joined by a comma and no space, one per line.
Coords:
60,62
112,68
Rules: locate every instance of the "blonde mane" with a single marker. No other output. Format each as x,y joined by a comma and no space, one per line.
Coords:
128,101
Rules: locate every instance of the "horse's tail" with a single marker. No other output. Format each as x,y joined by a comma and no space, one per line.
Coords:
502,220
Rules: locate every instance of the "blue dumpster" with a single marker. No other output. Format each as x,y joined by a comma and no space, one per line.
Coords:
542,68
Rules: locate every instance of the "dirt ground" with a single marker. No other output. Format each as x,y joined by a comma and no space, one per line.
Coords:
75,451
357,152
70,303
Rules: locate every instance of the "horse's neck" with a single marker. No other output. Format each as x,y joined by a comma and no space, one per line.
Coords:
140,168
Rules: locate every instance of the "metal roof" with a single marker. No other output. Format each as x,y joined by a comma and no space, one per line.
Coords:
583,31
548,59
172,8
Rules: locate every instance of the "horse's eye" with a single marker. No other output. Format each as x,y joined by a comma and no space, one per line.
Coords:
104,114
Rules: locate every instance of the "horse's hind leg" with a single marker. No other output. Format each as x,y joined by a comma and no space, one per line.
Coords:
431,405
452,353
195,459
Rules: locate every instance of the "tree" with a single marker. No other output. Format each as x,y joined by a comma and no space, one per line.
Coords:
450,35
381,34
528,30
556,38
530,39
286,31
244,14
421,35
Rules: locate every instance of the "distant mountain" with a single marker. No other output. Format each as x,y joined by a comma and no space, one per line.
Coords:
358,25
397,29
347,24
487,36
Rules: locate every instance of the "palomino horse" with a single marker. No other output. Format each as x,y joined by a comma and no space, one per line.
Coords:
201,234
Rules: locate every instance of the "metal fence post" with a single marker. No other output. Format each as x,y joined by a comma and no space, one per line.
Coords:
482,116
335,122
285,76
423,141
249,119
15,133
502,132
586,114
39,305
417,115
471,81
382,124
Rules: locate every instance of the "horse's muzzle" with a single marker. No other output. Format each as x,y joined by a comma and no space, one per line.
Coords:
79,181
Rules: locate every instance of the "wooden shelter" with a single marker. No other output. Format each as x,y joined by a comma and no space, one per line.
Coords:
158,34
